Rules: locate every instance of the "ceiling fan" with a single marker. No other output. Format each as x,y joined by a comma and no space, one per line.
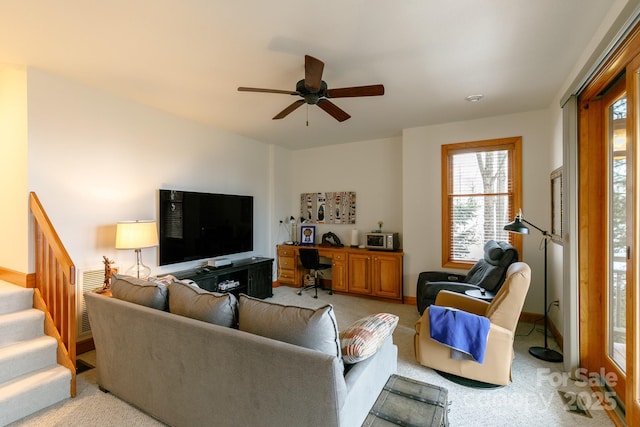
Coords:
313,90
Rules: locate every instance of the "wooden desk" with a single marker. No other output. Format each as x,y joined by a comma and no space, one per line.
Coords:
354,271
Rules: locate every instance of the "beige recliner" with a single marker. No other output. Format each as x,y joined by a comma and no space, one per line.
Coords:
503,313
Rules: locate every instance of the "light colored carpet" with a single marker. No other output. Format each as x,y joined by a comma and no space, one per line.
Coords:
532,399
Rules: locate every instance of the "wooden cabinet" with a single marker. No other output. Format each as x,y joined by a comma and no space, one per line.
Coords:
354,271
360,273
376,273
339,272
259,278
386,275
253,275
287,265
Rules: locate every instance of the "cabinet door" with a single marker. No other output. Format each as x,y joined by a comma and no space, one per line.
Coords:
359,282
339,272
386,276
260,281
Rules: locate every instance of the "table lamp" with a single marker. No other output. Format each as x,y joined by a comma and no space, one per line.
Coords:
518,226
137,235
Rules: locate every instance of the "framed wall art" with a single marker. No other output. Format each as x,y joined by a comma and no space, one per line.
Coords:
338,207
556,206
307,234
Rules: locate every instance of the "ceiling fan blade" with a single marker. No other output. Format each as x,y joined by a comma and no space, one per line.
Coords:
255,89
313,68
284,113
333,110
349,92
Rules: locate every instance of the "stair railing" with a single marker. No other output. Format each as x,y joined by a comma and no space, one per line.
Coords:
55,281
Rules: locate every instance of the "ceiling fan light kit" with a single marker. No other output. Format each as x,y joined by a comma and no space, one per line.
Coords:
313,90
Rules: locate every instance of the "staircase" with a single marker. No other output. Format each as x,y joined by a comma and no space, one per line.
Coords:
30,378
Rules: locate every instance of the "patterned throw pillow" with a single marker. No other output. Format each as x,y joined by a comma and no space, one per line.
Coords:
362,339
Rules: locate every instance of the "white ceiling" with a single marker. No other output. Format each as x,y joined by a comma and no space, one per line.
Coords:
189,57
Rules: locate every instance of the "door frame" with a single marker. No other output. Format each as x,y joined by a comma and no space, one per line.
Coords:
592,241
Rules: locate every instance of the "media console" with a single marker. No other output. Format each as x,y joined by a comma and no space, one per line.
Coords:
253,275
354,271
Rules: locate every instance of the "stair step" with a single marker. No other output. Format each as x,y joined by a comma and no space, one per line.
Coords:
26,356
21,326
32,392
14,298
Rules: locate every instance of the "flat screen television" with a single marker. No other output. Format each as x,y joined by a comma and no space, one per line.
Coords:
203,225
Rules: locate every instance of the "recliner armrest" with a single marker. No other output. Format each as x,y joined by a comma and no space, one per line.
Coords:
440,276
464,302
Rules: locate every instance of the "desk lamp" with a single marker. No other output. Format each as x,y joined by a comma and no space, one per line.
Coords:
137,235
518,226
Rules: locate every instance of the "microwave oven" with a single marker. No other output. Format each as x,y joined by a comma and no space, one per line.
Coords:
383,241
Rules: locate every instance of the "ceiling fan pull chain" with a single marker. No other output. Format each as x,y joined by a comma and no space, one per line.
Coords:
307,115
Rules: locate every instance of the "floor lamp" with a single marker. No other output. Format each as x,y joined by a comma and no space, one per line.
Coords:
518,226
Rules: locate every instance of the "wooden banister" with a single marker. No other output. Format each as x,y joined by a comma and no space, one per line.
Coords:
55,280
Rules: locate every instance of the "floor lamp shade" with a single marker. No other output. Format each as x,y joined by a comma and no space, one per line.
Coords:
137,235
519,225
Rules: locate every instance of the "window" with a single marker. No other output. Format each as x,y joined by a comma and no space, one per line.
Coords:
481,192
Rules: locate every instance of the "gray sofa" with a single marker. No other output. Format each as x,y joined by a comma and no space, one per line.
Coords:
188,372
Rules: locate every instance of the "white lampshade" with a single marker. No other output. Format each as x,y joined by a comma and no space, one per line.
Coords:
136,234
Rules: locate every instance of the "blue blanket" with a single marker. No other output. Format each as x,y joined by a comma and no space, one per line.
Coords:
462,331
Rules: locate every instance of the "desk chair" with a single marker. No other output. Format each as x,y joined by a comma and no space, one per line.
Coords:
310,259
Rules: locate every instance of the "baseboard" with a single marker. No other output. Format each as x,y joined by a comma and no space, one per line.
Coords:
85,346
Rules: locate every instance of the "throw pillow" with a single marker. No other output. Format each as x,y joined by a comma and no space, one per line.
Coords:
365,336
316,329
139,291
190,301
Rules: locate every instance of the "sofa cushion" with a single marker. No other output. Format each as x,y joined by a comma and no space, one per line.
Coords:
316,329
365,336
188,300
139,291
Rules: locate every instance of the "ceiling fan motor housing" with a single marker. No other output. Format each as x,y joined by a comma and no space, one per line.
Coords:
311,97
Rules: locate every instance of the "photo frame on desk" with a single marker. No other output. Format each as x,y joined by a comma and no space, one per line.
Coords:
307,234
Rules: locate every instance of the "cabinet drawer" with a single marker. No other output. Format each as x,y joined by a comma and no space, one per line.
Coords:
282,252
286,262
287,276
339,256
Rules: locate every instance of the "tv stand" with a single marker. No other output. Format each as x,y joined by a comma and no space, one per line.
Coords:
253,274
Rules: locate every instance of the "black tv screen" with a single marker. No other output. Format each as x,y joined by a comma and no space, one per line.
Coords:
203,225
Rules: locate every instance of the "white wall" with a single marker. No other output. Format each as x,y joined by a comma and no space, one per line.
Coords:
14,224
373,169
95,159
422,193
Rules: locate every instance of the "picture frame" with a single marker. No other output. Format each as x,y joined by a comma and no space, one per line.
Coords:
307,234
556,206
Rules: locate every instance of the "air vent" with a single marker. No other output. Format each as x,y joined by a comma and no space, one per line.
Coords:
88,281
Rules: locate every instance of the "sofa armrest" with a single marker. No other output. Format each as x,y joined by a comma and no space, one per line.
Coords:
364,382
464,302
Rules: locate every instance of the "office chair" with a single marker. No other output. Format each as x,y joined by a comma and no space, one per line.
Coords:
310,259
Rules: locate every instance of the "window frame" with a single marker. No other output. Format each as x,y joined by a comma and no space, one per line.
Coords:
513,145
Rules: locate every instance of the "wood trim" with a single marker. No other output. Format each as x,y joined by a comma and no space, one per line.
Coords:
50,329
593,240
514,146
14,277
633,235
59,252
